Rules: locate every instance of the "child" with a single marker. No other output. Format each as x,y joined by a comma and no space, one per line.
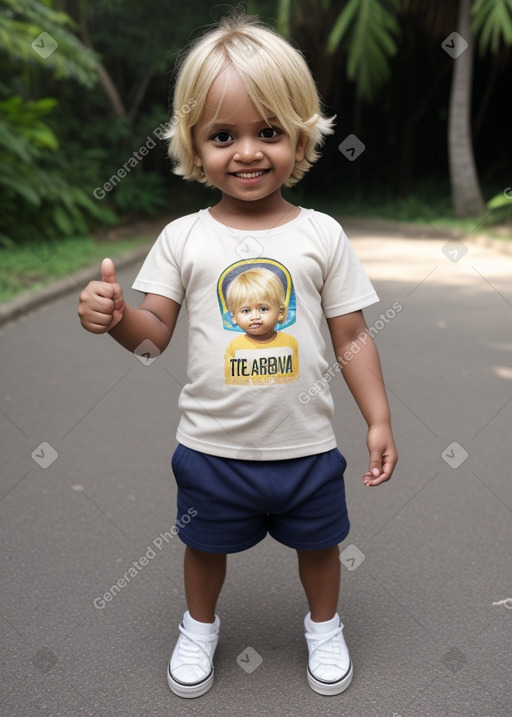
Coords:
254,124
257,303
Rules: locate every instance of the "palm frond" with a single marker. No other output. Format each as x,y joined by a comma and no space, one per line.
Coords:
492,23
369,30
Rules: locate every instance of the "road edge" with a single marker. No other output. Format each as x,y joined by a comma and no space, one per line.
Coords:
31,300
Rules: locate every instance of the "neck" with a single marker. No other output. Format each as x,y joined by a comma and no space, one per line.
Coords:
266,213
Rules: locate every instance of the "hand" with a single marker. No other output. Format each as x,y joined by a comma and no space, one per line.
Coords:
383,455
101,302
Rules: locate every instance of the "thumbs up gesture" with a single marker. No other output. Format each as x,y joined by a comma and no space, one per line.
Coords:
101,302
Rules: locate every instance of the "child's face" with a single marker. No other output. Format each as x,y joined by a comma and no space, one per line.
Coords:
258,319
240,153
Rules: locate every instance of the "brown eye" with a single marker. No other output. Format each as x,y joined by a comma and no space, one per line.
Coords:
222,137
270,132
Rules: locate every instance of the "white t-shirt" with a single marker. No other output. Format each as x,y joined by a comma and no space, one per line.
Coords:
276,402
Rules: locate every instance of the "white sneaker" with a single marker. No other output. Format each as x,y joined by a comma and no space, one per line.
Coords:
190,670
330,668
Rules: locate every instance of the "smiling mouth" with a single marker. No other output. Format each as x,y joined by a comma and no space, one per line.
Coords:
251,175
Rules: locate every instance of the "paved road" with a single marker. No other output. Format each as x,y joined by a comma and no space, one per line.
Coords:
87,503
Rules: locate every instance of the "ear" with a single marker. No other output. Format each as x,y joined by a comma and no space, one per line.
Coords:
197,157
300,148
281,314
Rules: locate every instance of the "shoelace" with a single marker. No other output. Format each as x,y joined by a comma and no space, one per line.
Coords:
326,656
191,647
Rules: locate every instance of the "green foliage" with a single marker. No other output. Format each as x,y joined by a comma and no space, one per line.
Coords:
22,137
21,24
33,186
32,265
501,206
38,197
62,133
368,29
492,21
141,192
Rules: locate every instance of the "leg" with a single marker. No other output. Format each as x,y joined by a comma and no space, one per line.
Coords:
329,667
190,670
204,577
319,571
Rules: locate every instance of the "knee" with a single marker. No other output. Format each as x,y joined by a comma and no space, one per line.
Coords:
204,556
317,555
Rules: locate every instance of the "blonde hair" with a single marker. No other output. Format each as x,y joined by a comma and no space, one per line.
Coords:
276,78
256,285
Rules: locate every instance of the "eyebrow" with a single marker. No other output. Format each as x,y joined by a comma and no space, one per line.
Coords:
219,123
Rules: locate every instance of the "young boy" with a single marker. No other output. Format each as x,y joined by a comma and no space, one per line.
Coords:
262,355
253,125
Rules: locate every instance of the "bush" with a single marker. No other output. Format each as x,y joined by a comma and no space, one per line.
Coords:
37,197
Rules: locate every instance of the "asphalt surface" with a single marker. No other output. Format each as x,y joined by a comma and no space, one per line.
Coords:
87,497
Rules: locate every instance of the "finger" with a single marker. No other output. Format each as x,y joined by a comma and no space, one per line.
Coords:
371,479
96,301
108,272
375,464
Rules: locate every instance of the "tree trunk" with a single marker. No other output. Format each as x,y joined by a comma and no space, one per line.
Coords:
104,77
466,194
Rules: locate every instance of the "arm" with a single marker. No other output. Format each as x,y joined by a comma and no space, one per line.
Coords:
102,309
362,372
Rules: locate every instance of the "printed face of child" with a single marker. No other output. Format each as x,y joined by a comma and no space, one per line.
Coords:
246,156
258,320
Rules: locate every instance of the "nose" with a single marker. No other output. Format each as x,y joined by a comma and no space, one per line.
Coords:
248,151
255,313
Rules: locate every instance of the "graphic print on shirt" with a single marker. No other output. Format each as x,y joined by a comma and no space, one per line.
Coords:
257,301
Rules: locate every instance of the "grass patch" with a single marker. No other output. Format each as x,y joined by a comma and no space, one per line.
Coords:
30,267
430,204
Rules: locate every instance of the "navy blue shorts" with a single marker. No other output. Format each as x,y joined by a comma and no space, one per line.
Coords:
227,505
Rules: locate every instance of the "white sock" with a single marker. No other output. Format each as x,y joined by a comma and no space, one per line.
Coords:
200,628
321,628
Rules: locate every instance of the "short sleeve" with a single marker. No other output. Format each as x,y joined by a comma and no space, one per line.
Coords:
347,287
160,274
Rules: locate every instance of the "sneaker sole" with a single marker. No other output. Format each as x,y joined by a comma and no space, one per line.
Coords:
331,688
189,691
